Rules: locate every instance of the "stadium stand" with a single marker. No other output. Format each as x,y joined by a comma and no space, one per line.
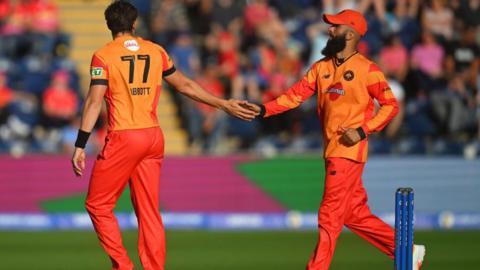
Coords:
252,50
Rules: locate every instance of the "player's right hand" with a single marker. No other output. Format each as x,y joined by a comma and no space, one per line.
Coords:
237,108
78,161
251,106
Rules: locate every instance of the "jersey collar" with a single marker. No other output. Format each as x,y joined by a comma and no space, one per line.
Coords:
337,61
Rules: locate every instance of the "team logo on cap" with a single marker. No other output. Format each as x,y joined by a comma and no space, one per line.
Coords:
348,75
335,91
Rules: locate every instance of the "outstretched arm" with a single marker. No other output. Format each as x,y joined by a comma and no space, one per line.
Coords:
292,98
193,90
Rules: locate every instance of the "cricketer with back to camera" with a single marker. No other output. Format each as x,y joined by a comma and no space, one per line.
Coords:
128,73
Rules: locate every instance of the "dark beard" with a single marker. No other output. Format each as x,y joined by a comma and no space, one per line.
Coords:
334,46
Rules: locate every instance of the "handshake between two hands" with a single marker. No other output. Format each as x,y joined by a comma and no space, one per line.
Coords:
248,111
242,109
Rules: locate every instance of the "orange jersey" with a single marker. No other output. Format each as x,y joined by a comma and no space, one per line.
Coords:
345,99
132,69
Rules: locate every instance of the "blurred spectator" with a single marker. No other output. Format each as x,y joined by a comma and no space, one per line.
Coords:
207,125
6,97
406,22
274,32
185,55
427,62
289,62
282,123
168,18
263,59
44,16
406,8
253,49
4,12
35,73
318,35
280,131
17,21
143,7
200,16
463,57
334,6
467,12
257,14
454,108
394,58
60,102
227,15
290,9
16,133
31,27
59,108
437,18
378,6
228,54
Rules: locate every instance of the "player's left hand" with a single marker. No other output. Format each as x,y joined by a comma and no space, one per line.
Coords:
78,161
349,136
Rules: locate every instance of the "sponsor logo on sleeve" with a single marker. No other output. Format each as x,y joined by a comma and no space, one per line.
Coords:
97,72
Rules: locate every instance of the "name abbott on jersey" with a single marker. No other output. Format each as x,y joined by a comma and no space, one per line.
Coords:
139,91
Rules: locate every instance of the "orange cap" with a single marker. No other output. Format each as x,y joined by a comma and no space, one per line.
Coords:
348,17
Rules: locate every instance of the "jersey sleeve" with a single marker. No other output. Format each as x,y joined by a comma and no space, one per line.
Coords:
168,67
295,95
379,89
98,71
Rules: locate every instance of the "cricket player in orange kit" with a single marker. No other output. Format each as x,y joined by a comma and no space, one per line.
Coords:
128,73
347,84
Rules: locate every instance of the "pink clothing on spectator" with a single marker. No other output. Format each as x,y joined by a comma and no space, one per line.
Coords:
18,20
393,58
428,58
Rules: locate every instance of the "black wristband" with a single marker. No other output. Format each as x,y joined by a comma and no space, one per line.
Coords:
82,138
262,110
361,132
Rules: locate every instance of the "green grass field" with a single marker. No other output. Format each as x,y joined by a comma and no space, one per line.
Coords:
205,250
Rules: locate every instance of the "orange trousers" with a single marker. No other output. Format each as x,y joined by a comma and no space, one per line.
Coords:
131,157
345,203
